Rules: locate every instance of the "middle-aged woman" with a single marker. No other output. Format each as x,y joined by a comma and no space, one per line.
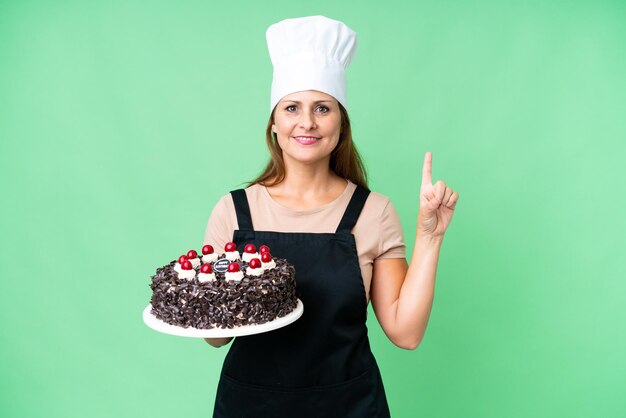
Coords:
311,205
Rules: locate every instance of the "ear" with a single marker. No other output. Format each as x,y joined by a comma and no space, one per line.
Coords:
273,128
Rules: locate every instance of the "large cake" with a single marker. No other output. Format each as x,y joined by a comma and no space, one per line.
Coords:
224,291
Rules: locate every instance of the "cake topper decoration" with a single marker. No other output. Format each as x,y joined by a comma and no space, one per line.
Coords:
267,262
249,253
221,266
234,272
187,271
206,274
266,257
179,263
192,256
231,251
254,268
208,254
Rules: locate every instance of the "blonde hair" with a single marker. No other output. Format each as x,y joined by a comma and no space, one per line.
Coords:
345,160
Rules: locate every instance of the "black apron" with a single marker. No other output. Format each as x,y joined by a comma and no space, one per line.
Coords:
321,365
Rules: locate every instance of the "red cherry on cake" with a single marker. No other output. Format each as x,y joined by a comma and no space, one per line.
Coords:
207,249
206,269
264,249
192,254
250,249
182,259
233,267
186,265
255,263
230,247
266,257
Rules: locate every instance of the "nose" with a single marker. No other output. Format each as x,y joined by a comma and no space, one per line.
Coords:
307,120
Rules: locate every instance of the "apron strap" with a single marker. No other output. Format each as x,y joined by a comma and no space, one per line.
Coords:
350,216
353,210
242,208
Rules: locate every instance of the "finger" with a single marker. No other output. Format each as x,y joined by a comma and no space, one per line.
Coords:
440,190
427,168
430,197
453,199
446,196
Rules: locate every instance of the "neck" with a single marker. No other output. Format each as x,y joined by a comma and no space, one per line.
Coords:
308,181
307,186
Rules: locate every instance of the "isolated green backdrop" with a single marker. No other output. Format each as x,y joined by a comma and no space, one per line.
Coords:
123,122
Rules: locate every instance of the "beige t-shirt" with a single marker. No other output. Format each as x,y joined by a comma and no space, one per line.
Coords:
378,233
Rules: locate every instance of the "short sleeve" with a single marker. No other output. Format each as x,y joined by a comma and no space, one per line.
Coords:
391,244
222,223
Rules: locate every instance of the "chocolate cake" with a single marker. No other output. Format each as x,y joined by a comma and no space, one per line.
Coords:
216,293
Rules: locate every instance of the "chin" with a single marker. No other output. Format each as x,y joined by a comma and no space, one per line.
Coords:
306,160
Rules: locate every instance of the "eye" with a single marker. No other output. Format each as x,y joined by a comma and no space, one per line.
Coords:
323,109
291,108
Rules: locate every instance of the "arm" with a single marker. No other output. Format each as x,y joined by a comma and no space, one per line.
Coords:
402,296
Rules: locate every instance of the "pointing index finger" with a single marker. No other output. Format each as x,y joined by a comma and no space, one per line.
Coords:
427,169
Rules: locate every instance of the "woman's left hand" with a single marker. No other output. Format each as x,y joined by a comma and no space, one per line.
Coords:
437,202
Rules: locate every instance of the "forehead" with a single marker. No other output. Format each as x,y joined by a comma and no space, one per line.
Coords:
309,96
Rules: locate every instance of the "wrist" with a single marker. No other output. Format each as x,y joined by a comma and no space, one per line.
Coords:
428,238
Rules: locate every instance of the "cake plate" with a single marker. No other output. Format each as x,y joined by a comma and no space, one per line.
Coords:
156,324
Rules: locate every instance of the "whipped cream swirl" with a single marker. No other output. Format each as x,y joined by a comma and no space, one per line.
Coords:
249,256
235,275
206,277
209,258
187,274
232,255
195,262
268,266
254,272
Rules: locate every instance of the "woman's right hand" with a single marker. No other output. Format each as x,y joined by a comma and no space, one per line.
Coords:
218,342
437,202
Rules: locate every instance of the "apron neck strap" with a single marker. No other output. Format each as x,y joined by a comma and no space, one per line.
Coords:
353,210
242,208
350,216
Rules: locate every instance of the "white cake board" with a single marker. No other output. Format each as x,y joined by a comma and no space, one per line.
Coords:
158,325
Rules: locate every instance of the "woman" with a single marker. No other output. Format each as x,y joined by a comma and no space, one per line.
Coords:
311,206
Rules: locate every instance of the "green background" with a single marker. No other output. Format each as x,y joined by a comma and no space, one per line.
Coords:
123,122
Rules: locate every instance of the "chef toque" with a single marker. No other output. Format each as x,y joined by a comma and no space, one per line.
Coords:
310,53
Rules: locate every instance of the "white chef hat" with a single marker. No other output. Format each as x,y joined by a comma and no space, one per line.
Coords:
310,53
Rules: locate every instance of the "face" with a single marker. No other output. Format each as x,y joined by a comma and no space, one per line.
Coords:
307,125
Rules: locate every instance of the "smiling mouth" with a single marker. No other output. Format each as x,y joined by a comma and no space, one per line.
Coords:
306,140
